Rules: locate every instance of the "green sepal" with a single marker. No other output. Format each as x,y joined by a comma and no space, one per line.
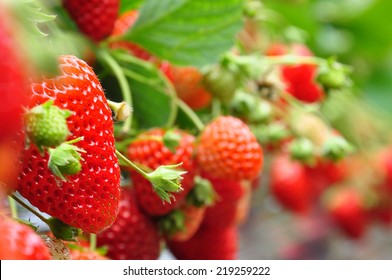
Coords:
336,148
62,231
202,193
65,159
171,140
165,179
172,222
302,149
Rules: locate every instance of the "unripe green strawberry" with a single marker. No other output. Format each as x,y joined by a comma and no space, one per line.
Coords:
46,125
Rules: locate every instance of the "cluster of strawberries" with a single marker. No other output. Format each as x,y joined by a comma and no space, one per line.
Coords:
186,192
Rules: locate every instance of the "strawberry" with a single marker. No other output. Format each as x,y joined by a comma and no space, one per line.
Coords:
347,211
224,212
228,149
82,251
89,199
182,223
189,87
207,244
94,18
20,242
122,24
300,78
10,166
149,150
12,77
86,254
326,173
290,185
133,236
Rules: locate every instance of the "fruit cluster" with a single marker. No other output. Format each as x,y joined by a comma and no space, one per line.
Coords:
120,180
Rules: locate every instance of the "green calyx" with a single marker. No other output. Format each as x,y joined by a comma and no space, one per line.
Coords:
65,159
337,148
171,140
333,75
61,230
202,194
172,223
303,150
165,180
46,125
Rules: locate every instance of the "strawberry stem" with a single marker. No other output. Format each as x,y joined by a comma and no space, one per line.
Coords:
93,241
123,83
151,82
29,208
13,207
132,165
191,114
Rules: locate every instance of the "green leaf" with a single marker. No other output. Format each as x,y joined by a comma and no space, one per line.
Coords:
128,5
152,105
188,32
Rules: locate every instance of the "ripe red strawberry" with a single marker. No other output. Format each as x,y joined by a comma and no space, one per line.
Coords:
300,78
224,212
94,18
20,242
207,244
89,199
12,78
326,173
347,211
86,254
134,235
183,223
289,184
121,26
188,84
228,149
82,251
149,150
10,166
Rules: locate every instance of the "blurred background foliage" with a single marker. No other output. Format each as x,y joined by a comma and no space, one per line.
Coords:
357,32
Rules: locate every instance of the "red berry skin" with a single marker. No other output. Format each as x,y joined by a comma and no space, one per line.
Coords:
299,79
223,213
152,153
347,212
325,174
188,82
12,78
95,18
134,235
121,26
227,149
207,244
20,242
88,200
193,218
290,185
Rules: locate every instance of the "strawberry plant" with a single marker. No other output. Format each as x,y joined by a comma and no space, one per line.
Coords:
142,126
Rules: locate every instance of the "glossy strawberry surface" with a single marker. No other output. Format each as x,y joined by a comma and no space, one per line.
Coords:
95,18
134,235
228,149
89,199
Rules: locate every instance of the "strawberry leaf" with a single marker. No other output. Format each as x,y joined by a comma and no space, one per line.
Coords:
187,32
127,5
